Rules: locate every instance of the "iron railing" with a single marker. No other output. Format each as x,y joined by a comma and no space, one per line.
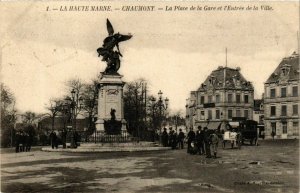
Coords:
102,137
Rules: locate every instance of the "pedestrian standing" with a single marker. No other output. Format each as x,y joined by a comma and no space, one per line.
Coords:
26,141
199,141
174,140
214,143
164,137
64,138
23,141
207,142
52,139
30,141
190,138
180,139
170,137
17,142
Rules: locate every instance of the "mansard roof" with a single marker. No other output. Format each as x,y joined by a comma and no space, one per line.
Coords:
226,78
287,70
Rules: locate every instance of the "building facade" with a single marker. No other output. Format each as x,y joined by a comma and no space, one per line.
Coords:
258,111
223,96
281,99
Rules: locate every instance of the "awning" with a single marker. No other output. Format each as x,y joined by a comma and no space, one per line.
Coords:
211,125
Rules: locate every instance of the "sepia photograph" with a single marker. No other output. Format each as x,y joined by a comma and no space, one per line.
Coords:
149,96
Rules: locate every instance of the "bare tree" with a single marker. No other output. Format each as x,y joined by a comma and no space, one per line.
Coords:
90,102
8,116
55,107
135,105
76,87
29,117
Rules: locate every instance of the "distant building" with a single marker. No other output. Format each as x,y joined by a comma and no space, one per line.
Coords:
60,124
223,96
281,100
258,111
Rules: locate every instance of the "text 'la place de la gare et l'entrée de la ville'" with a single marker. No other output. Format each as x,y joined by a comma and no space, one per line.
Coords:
128,8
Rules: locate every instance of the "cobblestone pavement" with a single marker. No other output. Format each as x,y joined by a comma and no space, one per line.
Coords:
271,167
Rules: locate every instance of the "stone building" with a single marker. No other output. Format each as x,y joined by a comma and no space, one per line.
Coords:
223,96
281,99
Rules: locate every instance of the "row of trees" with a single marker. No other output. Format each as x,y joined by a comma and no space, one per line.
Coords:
141,112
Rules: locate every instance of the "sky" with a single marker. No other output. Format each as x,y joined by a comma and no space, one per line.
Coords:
175,51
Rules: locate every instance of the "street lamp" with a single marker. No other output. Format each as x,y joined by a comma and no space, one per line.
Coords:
162,105
75,105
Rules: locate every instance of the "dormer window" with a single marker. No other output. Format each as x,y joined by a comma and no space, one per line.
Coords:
212,80
285,70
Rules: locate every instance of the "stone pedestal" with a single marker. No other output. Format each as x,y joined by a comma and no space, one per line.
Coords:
110,97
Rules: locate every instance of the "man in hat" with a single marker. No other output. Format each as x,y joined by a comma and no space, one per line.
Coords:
180,139
199,139
190,138
207,142
164,137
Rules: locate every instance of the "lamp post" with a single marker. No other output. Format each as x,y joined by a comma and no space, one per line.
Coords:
161,104
75,105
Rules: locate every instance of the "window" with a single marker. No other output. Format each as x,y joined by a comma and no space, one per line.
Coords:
283,110
246,114
273,110
230,98
272,93
217,98
202,115
202,100
283,92
209,99
284,127
238,113
296,128
238,98
295,109
246,98
295,91
273,126
229,114
209,114
217,114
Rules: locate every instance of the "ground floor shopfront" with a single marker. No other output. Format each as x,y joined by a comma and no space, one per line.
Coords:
282,128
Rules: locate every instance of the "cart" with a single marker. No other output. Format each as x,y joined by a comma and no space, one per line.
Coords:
234,138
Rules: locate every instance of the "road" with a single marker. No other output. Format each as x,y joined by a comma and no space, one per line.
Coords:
271,167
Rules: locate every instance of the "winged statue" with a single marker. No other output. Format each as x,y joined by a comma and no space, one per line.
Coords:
110,51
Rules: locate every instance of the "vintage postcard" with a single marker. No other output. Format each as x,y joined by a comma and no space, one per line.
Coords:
150,96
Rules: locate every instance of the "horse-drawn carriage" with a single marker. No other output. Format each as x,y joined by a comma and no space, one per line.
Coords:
237,132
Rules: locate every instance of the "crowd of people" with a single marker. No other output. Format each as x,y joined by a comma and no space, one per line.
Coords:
172,139
203,142
23,141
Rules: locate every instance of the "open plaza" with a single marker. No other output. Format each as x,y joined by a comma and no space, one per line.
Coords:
270,167
137,97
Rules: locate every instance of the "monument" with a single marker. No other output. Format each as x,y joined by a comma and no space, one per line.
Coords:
111,133
110,100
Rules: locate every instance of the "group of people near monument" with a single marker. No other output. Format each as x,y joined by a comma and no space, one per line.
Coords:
172,139
23,141
71,136
203,142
